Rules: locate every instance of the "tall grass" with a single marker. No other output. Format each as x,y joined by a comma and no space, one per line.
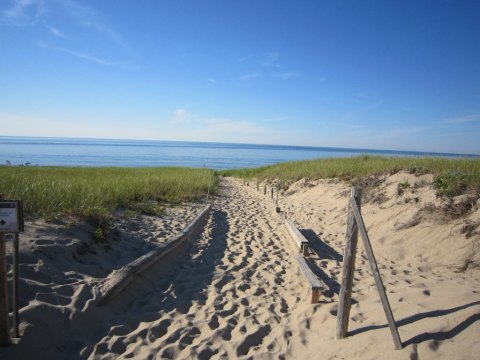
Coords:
468,170
47,191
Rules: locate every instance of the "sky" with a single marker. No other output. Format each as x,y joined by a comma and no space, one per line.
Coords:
397,75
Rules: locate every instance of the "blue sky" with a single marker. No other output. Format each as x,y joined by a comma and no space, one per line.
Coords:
401,75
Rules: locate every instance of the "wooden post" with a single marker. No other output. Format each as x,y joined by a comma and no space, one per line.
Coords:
265,190
376,275
15,297
4,328
272,193
345,296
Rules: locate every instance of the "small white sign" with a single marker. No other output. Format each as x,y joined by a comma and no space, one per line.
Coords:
9,217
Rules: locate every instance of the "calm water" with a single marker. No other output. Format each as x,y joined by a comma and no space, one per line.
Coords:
140,153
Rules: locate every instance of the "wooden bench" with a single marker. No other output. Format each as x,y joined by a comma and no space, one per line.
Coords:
316,286
297,236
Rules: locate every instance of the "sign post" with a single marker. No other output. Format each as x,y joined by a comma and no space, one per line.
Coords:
11,221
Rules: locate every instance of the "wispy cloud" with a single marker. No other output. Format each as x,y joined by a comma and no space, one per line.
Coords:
89,18
33,12
251,76
270,59
91,58
181,116
268,65
24,12
464,119
287,75
57,32
212,80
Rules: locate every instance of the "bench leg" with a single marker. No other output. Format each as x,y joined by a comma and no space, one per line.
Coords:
315,296
304,250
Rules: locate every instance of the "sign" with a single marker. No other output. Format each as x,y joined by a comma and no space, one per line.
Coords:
11,216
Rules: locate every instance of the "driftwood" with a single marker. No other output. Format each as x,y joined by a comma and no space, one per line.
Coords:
297,236
120,278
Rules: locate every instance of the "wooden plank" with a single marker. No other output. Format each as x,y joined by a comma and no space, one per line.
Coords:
120,278
345,296
316,286
297,236
376,276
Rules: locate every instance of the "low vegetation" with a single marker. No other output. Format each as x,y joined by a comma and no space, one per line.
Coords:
452,176
92,193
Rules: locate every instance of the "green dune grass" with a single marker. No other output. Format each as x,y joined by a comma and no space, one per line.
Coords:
48,191
452,176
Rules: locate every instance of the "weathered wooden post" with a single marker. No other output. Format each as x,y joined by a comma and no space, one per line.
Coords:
356,224
15,297
11,221
4,333
272,193
265,190
345,296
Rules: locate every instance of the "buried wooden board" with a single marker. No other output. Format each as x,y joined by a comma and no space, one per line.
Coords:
119,279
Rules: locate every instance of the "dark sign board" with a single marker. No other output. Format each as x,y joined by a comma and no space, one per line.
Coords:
11,216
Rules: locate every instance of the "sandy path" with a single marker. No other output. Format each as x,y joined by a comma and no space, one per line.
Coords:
235,290
228,294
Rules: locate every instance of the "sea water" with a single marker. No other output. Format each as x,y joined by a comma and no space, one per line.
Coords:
144,153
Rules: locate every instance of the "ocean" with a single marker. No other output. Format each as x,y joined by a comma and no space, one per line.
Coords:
144,153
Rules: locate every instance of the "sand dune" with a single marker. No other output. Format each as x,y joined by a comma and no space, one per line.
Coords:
236,290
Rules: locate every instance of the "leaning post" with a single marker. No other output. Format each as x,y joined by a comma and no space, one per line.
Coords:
345,296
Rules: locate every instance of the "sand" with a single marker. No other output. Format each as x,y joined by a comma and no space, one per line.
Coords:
236,291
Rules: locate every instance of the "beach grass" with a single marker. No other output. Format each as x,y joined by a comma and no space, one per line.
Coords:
78,191
453,175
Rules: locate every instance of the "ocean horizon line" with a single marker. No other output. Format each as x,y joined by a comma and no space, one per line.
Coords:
130,142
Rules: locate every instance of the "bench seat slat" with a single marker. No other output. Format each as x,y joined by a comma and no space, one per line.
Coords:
297,236
315,284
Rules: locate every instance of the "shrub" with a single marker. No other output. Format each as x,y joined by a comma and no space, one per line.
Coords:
401,187
450,184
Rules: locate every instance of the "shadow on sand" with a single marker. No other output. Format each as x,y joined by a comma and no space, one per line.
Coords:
426,336
173,284
323,250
